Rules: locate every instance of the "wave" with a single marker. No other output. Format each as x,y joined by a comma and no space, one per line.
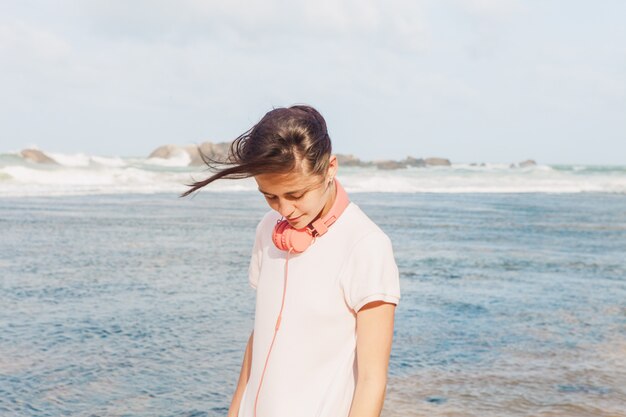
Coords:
80,174
181,159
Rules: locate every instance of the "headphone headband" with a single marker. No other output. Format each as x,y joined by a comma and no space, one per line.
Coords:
321,225
287,238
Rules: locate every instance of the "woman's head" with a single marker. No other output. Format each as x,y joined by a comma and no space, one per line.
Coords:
299,197
288,147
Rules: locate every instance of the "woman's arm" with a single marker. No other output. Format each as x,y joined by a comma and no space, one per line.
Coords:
243,378
374,331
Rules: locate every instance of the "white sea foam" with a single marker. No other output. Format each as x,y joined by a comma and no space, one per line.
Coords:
70,160
180,159
108,161
88,174
55,181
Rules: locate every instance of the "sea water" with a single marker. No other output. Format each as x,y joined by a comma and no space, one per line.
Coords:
81,174
137,303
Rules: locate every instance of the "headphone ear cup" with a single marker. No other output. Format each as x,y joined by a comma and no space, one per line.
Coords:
297,240
279,235
286,237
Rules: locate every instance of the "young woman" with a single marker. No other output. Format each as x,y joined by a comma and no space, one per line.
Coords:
325,278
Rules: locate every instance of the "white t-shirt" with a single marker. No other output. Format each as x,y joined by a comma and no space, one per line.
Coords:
312,367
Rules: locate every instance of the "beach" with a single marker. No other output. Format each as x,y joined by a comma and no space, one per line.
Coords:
120,298
485,138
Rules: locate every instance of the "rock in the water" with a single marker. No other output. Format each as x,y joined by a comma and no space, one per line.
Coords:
527,163
414,162
194,155
350,161
437,162
215,151
166,152
37,156
389,165
219,152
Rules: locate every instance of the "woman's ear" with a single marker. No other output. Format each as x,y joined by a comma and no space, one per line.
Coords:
333,166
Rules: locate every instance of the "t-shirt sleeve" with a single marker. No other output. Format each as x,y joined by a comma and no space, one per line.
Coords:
254,269
371,273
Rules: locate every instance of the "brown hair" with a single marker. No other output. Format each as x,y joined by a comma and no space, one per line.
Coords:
275,144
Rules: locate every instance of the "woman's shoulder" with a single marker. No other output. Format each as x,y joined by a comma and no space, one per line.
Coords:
357,224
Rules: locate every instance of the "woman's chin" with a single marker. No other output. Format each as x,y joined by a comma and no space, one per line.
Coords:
298,223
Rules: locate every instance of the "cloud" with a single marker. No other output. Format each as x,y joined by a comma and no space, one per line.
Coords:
392,23
33,60
490,8
135,74
21,39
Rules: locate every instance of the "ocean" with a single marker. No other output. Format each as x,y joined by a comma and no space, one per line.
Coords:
117,298
81,174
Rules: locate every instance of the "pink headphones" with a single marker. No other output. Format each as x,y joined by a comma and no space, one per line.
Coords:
287,238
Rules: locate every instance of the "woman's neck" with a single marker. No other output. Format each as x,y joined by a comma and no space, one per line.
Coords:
329,202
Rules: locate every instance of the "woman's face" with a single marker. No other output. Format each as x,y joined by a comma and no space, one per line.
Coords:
299,197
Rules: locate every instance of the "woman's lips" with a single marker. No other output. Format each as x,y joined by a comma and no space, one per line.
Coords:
294,219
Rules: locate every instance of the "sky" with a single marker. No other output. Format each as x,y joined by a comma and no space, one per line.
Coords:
468,80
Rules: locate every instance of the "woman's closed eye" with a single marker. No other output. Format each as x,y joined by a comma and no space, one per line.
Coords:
289,197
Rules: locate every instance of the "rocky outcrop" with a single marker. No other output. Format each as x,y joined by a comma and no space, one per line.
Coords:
219,152
389,164
414,162
524,164
527,163
434,162
166,152
351,161
409,161
216,151
37,156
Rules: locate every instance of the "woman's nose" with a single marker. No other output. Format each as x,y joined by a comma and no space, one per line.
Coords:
285,208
